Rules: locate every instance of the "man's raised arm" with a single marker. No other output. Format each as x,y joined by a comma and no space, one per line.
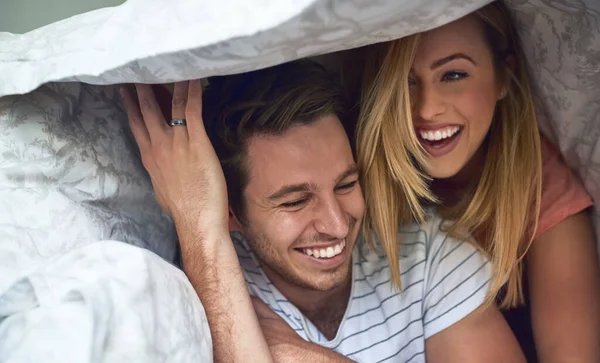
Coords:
189,184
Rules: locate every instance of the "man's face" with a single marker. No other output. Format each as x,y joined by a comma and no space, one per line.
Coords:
303,204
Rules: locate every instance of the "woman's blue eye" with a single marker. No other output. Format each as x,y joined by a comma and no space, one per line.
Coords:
454,76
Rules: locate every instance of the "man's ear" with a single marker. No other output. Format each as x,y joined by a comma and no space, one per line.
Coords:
234,222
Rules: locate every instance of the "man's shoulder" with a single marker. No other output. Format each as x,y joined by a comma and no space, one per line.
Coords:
250,267
434,233
240,245
415,241
423,236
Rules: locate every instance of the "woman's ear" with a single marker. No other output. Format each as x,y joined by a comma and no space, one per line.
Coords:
507,79
234,222
503,92
511,63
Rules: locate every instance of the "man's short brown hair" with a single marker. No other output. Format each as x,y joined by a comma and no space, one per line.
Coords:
264,102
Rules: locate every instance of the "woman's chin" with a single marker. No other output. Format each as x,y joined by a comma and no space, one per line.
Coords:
441,171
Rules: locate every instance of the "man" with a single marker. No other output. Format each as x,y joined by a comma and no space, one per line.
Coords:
282,179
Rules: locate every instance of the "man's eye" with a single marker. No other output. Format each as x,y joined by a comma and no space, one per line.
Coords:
347,185
295,203
454,76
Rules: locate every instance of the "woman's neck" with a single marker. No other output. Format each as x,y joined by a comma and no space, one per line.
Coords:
451,191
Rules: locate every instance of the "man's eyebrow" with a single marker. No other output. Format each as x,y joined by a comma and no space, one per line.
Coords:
352,169
440,62
305,187
288,189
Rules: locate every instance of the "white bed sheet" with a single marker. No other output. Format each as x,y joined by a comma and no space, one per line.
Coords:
158,41
104,302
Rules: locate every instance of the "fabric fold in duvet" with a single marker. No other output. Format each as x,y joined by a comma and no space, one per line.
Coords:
104,302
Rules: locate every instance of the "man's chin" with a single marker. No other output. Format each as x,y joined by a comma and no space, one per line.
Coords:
328,286
327,281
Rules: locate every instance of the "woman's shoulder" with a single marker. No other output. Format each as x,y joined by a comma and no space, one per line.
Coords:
563,194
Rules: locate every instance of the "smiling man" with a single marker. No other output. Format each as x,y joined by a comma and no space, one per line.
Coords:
290,196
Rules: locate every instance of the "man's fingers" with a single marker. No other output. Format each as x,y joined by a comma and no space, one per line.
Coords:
136,122
178,105
151,113
193,111
258,305
180,96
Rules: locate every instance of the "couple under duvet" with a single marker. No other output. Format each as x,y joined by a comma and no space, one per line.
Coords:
391,225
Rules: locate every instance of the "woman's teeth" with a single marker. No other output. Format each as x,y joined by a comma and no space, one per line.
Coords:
328,252
439,134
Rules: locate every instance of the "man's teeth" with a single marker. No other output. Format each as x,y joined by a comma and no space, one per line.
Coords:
328,252
439,134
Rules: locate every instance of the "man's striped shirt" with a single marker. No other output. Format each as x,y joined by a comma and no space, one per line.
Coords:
443,280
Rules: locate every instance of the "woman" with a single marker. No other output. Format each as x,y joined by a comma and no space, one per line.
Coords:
447,118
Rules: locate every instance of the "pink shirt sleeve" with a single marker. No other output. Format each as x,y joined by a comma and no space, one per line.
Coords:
563,195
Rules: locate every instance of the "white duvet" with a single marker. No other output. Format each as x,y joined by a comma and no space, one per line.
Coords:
104,302
70,177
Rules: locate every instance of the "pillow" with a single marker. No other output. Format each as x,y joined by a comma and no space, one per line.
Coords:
70,174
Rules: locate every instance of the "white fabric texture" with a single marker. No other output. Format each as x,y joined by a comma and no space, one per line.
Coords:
70,174
104,302
156,41
443,280
71,178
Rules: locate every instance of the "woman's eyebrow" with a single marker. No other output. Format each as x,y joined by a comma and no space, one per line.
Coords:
440,62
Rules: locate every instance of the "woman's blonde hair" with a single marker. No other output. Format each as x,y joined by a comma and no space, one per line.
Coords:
501,206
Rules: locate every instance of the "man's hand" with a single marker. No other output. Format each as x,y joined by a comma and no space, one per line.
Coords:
185,171
286,346
189,184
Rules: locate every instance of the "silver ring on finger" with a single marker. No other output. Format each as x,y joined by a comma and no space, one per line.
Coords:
178,122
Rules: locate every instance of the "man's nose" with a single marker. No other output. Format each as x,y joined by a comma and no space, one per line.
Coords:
428,104
331,219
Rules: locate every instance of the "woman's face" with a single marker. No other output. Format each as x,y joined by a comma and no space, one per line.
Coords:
454,89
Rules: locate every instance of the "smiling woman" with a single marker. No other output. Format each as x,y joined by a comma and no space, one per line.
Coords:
453,97
456,79
448,119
